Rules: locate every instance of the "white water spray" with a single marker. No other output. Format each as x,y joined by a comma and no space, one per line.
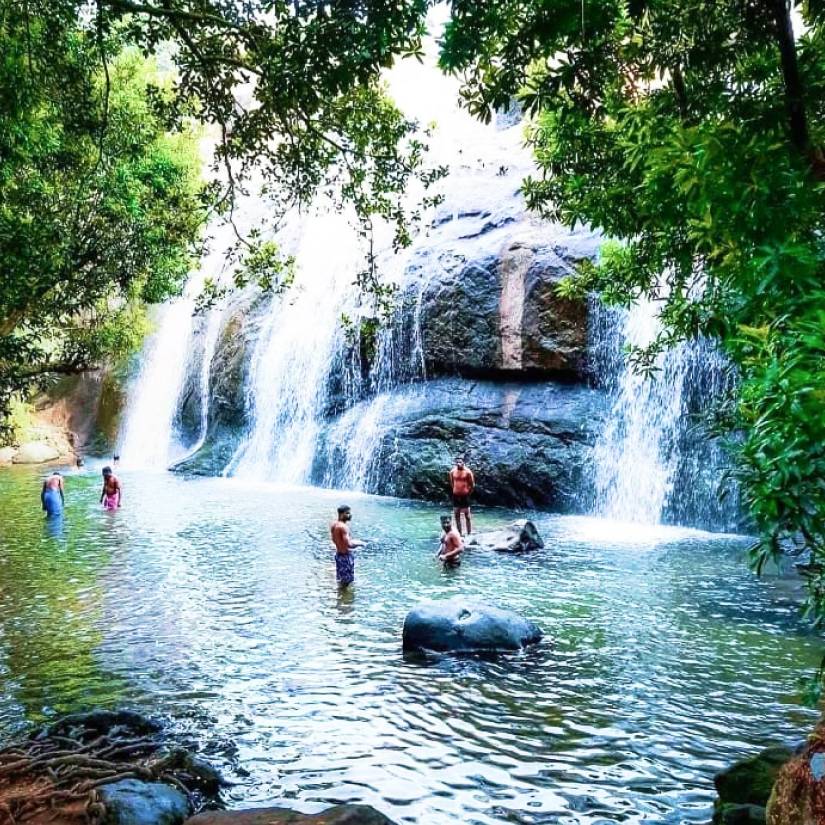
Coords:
638,458
148,438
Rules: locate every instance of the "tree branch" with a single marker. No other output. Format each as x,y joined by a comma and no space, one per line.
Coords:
169,13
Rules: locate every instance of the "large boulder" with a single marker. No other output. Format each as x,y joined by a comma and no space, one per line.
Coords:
7,454
745,787
132,802
339,815
36,452
528,444
463,625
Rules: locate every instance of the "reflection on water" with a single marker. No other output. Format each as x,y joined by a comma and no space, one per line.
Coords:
215,604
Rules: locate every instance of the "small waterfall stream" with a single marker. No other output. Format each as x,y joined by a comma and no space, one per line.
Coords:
148,438
650,463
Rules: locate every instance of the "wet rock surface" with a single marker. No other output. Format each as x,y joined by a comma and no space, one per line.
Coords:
132,802
746,786
488,302
338,815
461,625
519,537
527,444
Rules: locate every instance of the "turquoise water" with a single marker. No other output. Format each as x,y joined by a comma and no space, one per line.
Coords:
213,605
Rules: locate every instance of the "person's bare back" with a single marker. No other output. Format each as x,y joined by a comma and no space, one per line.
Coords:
340,537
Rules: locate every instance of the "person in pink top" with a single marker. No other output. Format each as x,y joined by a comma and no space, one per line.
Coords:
112,493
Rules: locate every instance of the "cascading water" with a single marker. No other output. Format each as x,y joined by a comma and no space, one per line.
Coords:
291,362
649,465
148,438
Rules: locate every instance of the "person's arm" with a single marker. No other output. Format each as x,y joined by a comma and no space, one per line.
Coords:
471,481
119,493
62,496
450,481
43,496
103,493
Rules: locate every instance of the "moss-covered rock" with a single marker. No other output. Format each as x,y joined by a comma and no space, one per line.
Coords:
750,781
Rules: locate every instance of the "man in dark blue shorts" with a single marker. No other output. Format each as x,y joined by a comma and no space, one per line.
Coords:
344,545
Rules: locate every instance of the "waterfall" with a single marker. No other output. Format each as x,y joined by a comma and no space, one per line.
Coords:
652,461
148,438
294,354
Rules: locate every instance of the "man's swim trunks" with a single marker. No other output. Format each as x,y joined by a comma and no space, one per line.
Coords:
345,568
111,502
52,502
461,501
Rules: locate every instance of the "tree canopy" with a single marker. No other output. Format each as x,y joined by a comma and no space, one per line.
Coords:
100,202
95,217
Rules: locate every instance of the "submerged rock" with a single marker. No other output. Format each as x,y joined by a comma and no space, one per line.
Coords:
729,814
132,802
100,723
519,537
339,815
465,626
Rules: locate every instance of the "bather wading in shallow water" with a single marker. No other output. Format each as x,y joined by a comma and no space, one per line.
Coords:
52,497
452,544
112,492
344,545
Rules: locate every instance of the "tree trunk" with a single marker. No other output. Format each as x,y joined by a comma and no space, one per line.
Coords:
790,76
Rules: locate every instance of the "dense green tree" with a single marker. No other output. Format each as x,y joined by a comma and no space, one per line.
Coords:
99,201
100,205
690,132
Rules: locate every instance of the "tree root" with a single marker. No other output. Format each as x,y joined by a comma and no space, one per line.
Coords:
58,777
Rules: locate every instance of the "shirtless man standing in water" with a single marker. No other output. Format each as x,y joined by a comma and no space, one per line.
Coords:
462,484
112,492
344,545
451,544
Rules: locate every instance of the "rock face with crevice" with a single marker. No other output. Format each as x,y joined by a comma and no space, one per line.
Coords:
486,304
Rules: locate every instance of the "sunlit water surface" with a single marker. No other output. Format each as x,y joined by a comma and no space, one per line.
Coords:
214,605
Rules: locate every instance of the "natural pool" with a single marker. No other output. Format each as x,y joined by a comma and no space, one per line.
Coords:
214,604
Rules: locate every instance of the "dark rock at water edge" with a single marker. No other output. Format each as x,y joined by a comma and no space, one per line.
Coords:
746,786
101,722
528,444
132,802
750,780
730,814
339,815
215,454
462,625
